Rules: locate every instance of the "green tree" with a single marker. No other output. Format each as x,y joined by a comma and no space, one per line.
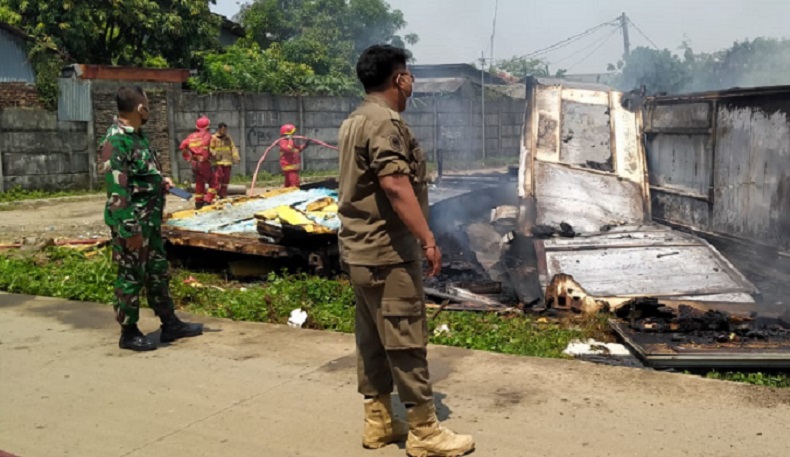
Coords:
327,35
657,70
246,67
122,32
521,67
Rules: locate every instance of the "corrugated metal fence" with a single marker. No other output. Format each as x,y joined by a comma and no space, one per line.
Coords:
720,162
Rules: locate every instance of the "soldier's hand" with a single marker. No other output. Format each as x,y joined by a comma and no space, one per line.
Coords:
134,243
434,256
169,184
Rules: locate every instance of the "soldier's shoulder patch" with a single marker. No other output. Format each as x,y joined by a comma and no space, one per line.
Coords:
395,143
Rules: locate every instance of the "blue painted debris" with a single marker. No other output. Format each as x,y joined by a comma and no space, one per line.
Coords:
239,218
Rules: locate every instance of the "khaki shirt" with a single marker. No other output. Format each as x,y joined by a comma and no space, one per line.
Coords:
223,151
374,142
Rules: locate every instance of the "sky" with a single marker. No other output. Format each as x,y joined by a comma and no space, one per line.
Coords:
458,31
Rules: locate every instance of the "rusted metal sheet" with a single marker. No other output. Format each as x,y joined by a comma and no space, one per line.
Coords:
132,74
719,162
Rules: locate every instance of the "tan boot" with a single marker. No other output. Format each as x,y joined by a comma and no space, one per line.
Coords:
381,427
429,439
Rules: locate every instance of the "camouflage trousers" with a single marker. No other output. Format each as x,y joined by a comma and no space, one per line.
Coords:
147,267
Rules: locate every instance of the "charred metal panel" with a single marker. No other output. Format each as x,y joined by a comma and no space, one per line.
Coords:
669,117
644,263
673,207
730,150
680,162
586,200
586,137
581,161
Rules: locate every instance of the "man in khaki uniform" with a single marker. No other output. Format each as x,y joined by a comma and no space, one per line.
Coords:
383,208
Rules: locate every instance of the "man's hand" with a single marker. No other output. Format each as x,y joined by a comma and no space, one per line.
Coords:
434,256
168,184
134,243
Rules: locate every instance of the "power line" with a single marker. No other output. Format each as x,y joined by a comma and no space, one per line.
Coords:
586,48
642,33
569,40
493,30
609,37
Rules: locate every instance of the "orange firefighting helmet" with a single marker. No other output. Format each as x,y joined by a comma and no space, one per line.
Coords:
288,129
203,123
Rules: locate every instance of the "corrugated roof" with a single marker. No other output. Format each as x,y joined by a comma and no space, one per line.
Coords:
438,85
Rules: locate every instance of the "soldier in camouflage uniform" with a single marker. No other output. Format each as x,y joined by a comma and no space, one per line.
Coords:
136,193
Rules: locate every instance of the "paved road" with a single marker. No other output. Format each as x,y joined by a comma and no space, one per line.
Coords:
261,390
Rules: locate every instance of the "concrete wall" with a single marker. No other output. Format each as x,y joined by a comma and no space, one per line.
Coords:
39,152
158,128
451,128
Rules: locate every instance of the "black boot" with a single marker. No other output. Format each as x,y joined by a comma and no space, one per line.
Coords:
133,339
173,328
199,205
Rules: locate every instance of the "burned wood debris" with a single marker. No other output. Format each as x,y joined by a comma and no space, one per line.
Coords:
689,325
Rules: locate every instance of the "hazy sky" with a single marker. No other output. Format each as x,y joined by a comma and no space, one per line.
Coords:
453,31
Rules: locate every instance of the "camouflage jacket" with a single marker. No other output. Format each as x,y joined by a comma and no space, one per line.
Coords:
134,181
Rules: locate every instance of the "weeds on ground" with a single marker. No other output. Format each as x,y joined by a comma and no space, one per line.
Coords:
329,303
16,194
759,379
68,274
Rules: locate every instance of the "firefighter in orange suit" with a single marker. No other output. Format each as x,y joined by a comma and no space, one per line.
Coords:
290,155
195,148
224,155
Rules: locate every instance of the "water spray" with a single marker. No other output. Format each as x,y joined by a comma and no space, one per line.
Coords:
274,143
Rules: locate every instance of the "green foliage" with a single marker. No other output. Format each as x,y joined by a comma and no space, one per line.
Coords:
350,25
759,379
659,71
328,302
302,46
118,32
48,65
521,67
61,273
248,68
16,194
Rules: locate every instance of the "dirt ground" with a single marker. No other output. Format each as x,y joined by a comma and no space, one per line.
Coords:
61,218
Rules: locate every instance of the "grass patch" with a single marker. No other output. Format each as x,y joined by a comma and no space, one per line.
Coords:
68,274
16,194
329,302
758,379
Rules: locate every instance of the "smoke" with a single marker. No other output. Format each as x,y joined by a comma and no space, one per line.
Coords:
759,62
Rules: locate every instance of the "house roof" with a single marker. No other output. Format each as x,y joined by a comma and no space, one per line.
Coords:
15,31
438,85
107,72
455,70
232,27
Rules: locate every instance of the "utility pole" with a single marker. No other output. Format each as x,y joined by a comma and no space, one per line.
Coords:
626,41
483,98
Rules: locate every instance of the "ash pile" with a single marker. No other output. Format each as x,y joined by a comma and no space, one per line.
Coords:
487,265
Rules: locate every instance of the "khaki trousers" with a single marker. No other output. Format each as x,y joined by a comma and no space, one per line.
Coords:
391,332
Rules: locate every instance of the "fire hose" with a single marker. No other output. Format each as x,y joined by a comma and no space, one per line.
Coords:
274,143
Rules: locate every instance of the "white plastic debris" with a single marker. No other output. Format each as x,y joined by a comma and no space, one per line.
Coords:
578,348
441,330
298,318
